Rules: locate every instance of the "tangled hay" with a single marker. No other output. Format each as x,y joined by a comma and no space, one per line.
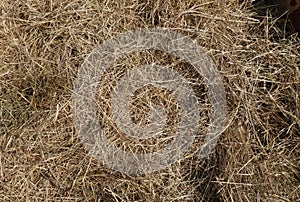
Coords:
42,46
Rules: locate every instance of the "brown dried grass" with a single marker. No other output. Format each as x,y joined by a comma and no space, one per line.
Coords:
43,43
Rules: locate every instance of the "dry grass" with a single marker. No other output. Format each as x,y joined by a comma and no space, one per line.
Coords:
42,45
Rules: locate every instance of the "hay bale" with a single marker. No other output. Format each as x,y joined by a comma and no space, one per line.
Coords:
44,43
293,6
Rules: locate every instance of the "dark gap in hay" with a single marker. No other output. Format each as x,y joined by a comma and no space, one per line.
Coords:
293,3
206,175
147,13
268,10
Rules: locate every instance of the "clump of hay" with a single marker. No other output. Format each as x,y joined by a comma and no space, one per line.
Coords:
44,43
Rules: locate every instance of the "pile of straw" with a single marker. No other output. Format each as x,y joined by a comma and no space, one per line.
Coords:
44,43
